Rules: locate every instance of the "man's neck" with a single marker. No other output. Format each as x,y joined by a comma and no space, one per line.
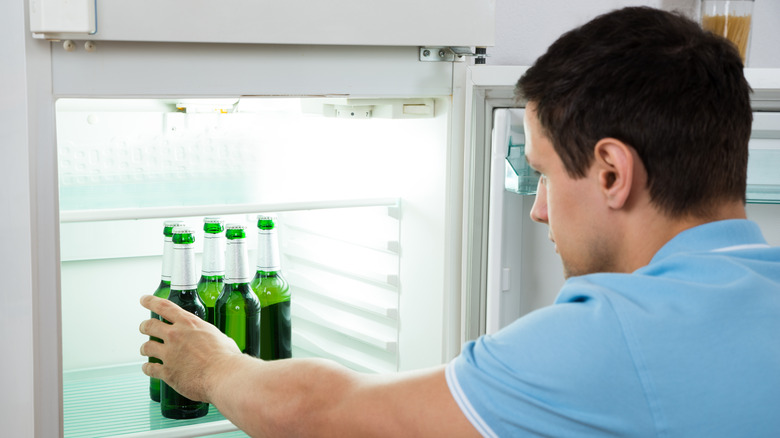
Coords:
646,235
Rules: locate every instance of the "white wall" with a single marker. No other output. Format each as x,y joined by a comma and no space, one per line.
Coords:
525,28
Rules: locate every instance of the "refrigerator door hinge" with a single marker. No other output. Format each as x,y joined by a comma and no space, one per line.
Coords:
450,54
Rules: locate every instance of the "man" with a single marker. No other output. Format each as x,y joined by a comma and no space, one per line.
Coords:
668,324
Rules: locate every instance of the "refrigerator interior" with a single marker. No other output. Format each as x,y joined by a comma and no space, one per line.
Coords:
359,187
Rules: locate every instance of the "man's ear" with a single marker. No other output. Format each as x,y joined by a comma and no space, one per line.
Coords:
614,162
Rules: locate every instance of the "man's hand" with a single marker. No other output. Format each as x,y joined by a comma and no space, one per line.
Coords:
191,352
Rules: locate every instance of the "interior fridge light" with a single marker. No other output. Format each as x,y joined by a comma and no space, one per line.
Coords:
218,106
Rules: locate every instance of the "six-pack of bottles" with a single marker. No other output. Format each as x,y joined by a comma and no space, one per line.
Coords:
252,310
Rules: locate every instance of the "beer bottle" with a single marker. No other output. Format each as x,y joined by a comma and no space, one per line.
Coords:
213,266
184,284
162,291
238,309
274,293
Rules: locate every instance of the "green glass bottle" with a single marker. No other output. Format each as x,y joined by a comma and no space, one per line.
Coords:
238,308
213,264
163,290
274,293
184,284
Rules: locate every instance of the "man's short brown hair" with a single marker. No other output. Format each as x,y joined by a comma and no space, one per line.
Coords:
656,81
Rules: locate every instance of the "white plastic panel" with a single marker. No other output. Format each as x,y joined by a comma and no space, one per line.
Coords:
117,69
68,16
339,22
344,267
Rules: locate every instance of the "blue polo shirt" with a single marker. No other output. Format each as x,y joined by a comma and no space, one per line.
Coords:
686,346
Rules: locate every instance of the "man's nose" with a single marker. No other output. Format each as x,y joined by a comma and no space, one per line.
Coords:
539,209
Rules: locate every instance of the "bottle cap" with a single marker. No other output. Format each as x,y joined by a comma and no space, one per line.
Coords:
266,217
169,225
235,231
183,229
266,221
183,234
213,225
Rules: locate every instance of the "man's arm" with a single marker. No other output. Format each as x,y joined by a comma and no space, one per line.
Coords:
295,397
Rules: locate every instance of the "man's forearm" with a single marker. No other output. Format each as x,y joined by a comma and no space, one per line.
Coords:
295,397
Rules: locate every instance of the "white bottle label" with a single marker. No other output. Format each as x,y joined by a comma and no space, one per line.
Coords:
237,262
268,251
214,254
184,276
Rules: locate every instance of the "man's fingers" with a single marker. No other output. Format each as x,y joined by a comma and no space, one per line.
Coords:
152,349
165,308
152,370
155,327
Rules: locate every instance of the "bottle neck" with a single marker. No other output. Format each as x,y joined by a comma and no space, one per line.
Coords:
167,262
184,275
268,259
237,262
268,274
213,255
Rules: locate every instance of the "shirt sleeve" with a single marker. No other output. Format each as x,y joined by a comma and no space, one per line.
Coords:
564,370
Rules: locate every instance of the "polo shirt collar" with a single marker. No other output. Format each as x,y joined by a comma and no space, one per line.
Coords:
713,236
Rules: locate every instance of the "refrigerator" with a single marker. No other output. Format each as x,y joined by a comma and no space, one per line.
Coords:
391,155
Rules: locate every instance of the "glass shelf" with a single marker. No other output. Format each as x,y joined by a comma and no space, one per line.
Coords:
763,194
764,171
114,401
520,178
